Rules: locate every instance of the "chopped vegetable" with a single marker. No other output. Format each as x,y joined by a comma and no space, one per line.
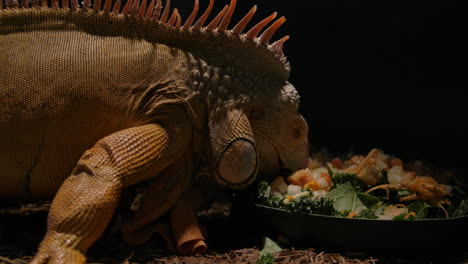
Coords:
462,209
299,203
353,189
339,177
345,198
279,185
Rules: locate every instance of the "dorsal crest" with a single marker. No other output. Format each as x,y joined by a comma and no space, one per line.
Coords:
252,40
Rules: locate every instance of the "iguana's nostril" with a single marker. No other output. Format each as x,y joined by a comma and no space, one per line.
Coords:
238,163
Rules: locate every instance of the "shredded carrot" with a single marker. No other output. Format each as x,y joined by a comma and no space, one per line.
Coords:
351,214
409,214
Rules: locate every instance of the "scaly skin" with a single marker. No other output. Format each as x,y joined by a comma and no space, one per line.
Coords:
94,102
78,216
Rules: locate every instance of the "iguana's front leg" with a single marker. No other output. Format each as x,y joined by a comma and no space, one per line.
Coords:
188,236
86,201
183,234
162,194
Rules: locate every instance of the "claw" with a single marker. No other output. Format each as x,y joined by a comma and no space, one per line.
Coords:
54,251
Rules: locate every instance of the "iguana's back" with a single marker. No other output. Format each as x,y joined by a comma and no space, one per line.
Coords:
62,89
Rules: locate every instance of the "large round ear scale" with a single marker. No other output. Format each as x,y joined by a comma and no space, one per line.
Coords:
234,155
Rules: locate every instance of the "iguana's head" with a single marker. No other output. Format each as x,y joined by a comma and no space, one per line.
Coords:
280,132
260,134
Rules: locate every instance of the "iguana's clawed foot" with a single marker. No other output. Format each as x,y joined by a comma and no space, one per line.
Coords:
54,250
188,240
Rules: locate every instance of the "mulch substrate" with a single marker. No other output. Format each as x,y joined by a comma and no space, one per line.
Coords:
22,228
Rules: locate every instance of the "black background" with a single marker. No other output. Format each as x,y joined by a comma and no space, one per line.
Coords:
384,74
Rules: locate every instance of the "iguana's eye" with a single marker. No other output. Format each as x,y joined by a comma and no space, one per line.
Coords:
297,133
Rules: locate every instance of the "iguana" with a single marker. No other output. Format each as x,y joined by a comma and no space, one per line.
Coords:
97,96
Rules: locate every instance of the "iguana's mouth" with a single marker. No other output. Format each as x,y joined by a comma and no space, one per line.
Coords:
287,167
283,170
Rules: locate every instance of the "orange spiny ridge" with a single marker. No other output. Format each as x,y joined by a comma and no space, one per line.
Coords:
141,12
87,4
239,28
227,17
13,4
201,21
74,5
154,11
178,21
9,4
269,32
278,45
65,3
214,23
97,5
165,14
127,7
135,7
157,11
150,9
173,18
107,6
116,8
252,33
189,21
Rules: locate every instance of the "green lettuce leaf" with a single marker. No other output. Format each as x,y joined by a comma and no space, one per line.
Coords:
420,208
404,217
340,177
462,209
266,254
367,199
346,198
